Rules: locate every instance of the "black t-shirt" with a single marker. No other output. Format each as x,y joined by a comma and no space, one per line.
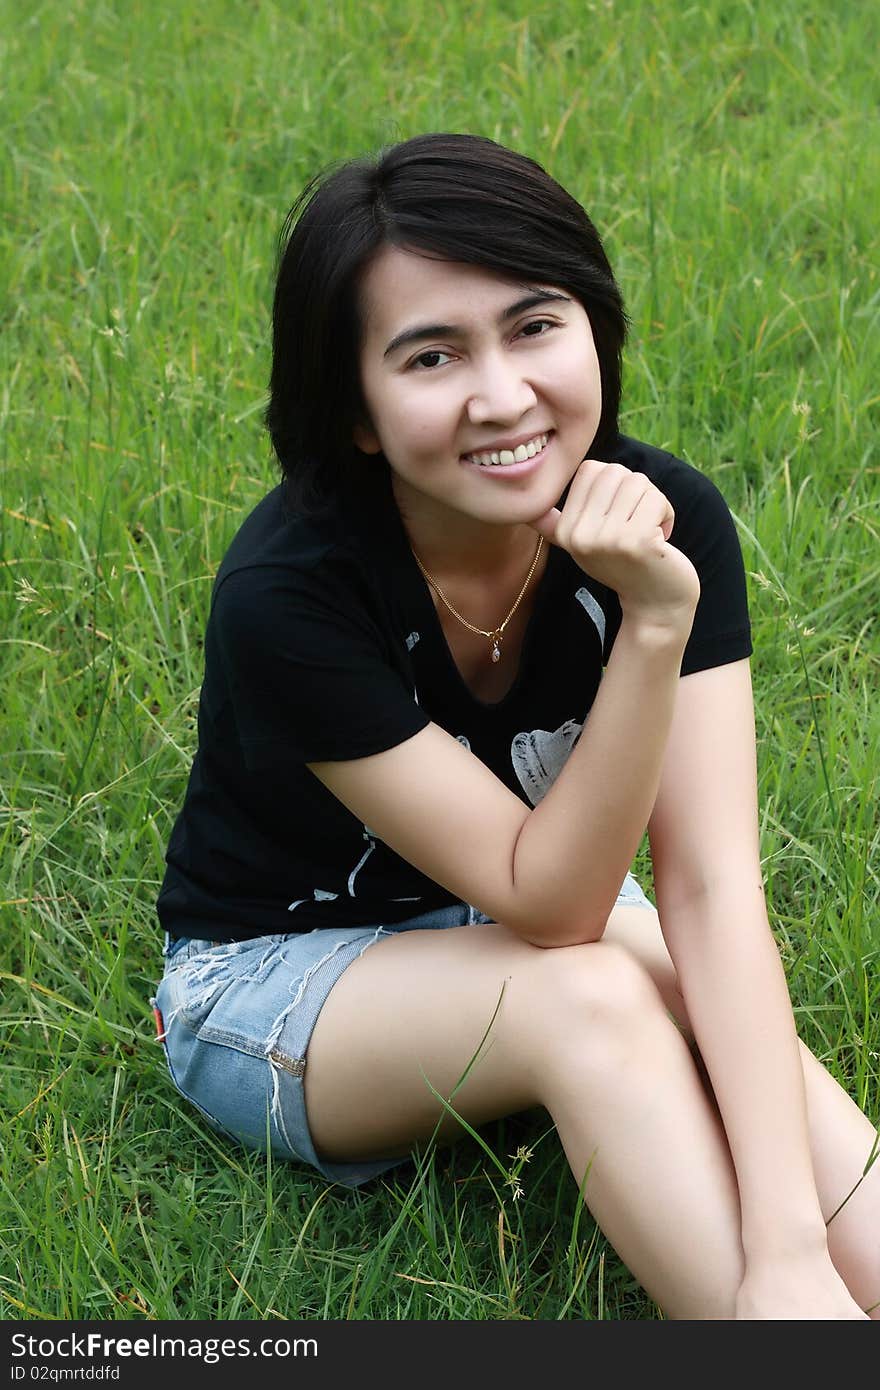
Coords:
323,643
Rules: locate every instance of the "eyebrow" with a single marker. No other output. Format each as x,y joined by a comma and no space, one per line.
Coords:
449,330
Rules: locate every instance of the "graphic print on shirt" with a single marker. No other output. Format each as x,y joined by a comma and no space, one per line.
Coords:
369,836
319,895
410,643
591,606
539,755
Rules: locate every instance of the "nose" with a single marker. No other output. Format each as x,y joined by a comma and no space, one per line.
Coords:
502,395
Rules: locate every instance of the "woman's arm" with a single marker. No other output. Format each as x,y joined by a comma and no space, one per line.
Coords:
552,874
704,840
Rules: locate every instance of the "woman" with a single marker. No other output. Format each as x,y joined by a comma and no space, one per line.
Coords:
416,797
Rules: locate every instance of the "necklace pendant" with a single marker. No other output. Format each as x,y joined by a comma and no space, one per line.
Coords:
496,649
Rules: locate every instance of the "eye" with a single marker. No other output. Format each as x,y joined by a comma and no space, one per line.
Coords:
421,363
537,323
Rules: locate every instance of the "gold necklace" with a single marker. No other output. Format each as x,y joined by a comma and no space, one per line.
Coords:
497,634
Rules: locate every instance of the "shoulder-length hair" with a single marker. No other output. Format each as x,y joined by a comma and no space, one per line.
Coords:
461,197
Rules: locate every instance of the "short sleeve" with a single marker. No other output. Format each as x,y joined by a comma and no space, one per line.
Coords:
308,669
705,531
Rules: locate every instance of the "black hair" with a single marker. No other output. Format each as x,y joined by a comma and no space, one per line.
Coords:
460,197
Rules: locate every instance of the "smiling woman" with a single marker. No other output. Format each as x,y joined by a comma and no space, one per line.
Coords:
473,645
500,377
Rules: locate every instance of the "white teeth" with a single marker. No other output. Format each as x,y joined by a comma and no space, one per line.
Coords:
507,456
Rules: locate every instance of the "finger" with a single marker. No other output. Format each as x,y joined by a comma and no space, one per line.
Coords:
547,524
652,512
659,508
582,493
639,500
600,488
578,489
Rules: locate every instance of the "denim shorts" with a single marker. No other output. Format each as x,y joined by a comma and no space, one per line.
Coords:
235,1019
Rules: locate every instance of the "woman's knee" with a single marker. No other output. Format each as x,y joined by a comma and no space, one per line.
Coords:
599,989
639,931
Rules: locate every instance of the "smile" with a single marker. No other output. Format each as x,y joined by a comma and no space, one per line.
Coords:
503,458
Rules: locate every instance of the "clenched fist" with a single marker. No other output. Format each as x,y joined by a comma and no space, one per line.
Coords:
616,524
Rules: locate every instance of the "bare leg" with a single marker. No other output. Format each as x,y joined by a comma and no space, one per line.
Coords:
581,1030
842,1138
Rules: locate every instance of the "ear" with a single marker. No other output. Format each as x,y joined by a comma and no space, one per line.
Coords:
365,439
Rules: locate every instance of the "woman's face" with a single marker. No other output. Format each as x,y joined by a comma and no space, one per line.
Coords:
456,362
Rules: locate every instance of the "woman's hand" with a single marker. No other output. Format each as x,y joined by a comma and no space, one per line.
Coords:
796,1287
616,524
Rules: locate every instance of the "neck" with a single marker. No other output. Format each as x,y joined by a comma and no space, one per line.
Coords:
453,546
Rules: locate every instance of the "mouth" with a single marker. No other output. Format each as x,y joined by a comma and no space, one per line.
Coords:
512,462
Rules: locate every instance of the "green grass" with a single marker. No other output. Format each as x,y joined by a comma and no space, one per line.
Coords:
730,156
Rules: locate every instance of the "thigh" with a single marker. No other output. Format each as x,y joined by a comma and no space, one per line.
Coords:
475,1014
446,1010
